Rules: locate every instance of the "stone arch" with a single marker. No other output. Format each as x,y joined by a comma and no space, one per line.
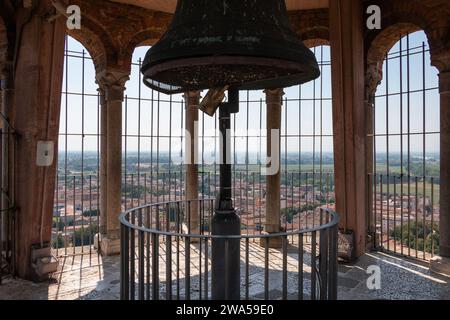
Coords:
97,43
142,38
316,36
311,26
386,39
399,18
315,42
145,37
377,50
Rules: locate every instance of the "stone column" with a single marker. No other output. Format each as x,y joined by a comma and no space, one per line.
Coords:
441,263
444,218
191,158
35,117
113,83
349,122
274,102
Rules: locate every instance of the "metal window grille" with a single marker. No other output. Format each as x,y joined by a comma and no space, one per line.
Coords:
153,151
406,152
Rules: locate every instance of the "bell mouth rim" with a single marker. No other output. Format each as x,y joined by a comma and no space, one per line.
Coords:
293,68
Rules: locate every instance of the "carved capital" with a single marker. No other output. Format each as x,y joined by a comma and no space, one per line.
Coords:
112,84
441,60
274,96
192,99
101,93
374,75
444,82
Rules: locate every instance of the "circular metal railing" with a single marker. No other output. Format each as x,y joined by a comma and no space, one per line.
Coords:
166,254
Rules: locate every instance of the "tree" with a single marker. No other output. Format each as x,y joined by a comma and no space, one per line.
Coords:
58,242
58,225
83,237
91,213
427,236
289,213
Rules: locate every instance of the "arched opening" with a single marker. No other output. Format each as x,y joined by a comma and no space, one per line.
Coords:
153,148
406,148
153,137
76,205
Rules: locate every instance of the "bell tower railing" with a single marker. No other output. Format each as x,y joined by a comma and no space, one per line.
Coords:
162,259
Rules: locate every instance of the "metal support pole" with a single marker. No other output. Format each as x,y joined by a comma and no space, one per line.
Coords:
7,146
225,253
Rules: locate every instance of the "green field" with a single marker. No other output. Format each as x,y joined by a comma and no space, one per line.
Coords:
412,188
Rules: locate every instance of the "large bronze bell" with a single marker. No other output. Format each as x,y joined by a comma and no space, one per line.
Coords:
234,45
244,44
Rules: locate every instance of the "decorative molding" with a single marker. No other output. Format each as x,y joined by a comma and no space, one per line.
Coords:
444,82
406,16
441,60
192,99
111,31
374,75
312,26
113,84
274,96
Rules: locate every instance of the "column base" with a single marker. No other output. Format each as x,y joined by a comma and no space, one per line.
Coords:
194,231
370,243
440,265
274,242
346,245
97,240
106,246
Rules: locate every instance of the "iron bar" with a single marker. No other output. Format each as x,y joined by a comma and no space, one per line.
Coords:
411,139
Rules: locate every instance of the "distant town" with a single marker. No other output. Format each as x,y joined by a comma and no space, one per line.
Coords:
307,185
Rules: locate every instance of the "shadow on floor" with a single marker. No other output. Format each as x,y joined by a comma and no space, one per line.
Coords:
91,277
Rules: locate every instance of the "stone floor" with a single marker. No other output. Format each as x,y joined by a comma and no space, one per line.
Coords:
92,277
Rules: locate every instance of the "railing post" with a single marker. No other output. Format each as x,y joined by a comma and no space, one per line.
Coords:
323,271
324,263
125,264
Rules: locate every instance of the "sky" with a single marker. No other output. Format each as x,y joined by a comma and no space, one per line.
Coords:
305,117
